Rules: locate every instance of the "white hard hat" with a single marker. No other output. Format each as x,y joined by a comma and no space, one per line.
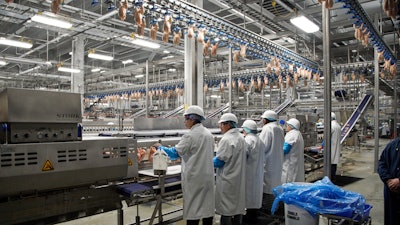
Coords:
250,124
294,123
228,117
333,116
194,109
270,115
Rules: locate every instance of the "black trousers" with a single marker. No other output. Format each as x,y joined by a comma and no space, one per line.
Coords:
333,172
206,221
251,216
231,220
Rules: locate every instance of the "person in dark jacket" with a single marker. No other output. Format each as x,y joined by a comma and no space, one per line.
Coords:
389,172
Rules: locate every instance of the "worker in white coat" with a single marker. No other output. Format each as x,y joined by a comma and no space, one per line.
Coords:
293,150
336,133
254,171
230,161
273,137
196,149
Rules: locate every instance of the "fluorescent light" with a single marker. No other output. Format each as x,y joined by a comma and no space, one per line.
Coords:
168,57
139,76
101,57
127,61
3,63
215,96
95,70
145,43
68,70
166,52
304,24
51,21
19,44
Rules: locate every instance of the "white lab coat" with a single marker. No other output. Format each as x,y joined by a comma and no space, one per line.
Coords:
196,149
336,132
273,137
254,171
230,179
293,162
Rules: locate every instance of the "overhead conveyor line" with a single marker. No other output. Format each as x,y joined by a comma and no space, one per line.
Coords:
361,17
231,35
354,117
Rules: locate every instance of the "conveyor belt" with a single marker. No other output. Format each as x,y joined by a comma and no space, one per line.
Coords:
133,189
283,106
174,112
354,117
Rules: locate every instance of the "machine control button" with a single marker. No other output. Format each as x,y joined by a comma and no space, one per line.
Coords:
26,135
55,135
46,135
16,135
69,135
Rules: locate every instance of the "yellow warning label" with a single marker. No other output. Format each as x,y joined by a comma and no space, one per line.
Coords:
47,166
130,162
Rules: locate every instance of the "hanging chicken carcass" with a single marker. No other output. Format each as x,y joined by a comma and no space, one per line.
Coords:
153,29
55,6
167,26
206,47
214,48
236,56
177,36
122,10
243,49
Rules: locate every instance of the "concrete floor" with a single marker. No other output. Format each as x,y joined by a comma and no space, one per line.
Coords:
355,162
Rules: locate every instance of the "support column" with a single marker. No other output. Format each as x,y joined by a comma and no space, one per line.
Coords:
327,87
190,72
78,57
147,89
193,94
77,62
376,104
230,80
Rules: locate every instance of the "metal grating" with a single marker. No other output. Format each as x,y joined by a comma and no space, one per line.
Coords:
18,159
71,155
115,152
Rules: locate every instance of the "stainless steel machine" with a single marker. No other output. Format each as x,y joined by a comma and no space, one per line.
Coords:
46,164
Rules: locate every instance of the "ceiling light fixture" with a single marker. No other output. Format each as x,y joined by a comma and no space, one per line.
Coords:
14,43
51,21
95,70
99,56
127,61
139,76
145,43
68,70
304,24
3,63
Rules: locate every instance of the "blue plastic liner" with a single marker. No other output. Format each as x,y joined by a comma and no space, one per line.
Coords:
321,197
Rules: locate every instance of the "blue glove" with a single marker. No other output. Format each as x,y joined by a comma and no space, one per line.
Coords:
171,152
218,163
286,148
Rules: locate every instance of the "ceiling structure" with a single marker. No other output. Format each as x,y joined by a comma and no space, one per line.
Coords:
98,22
